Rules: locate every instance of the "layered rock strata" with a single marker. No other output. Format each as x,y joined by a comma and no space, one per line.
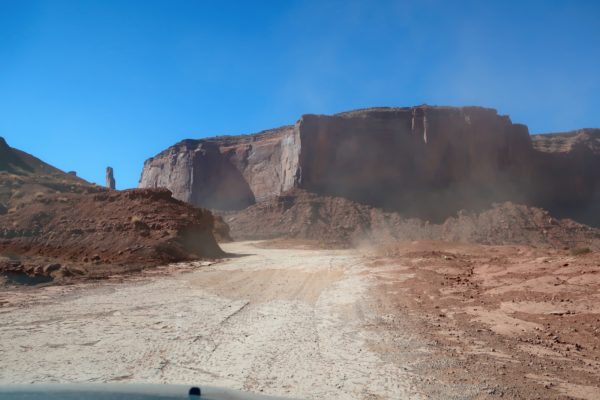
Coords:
424,161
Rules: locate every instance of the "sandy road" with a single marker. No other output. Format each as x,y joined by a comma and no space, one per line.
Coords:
285,322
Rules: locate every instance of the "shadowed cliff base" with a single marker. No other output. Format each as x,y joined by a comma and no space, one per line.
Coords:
341,222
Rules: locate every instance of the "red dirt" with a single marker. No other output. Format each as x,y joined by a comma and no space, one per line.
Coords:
524,321
92,233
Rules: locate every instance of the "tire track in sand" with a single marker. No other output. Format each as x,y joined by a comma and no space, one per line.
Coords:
277,321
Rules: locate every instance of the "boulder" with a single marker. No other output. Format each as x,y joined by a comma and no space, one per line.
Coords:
50,268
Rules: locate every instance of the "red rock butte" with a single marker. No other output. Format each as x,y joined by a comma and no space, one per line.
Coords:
425,161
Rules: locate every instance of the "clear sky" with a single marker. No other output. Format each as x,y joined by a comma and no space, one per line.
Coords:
86,84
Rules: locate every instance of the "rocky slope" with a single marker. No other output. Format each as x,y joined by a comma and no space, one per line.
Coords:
23,176
141,227
426,162
55,224
340,222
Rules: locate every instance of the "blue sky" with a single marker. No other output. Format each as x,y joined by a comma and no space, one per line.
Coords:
85,84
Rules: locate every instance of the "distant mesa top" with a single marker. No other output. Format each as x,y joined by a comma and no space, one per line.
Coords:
424,161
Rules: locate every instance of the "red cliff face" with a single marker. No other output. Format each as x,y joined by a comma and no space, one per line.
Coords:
422,161
227,173
567,174
425,161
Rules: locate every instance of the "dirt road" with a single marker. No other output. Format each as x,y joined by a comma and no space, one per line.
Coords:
285,322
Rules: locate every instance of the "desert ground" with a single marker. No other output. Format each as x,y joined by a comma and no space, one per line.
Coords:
411,320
